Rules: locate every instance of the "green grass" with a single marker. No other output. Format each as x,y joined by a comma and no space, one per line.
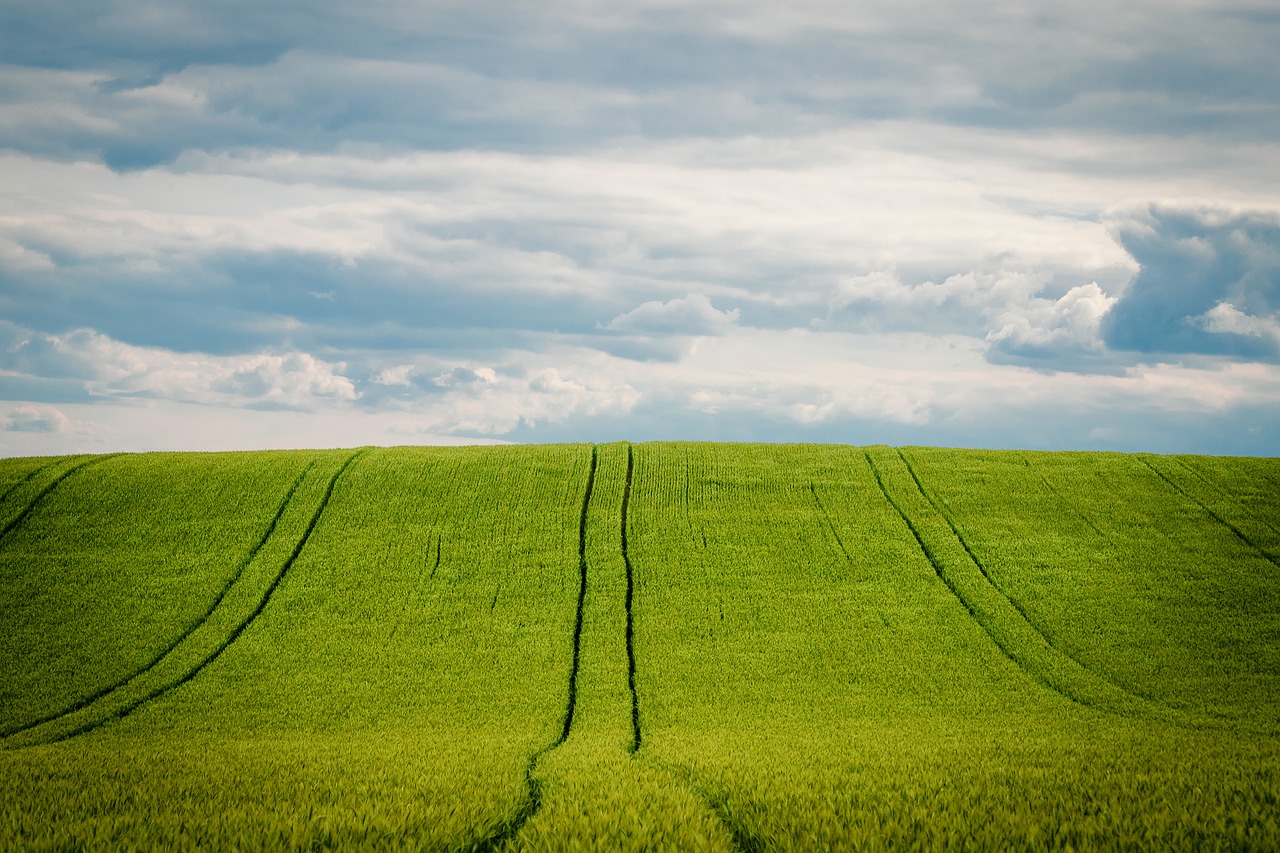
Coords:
659,646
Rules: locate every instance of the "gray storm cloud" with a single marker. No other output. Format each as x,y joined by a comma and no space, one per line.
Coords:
1209,282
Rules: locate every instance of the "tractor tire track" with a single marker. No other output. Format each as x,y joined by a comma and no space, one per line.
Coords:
630,633
161,690
946,516
1073,680
950,584
924,547
57,481
504,835
508,829
741,840
1237,532
964,543
572,701
1227,494
435,567
31,475
831,525
85,701
1224,492
1058,495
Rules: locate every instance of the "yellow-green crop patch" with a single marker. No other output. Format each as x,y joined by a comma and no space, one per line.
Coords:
654,646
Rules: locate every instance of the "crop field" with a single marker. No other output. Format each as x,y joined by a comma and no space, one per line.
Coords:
676,646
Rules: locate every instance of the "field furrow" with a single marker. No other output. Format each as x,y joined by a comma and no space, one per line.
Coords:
93,600
630,629
835,534
1125,573
942,511
572,701
19,474
414,737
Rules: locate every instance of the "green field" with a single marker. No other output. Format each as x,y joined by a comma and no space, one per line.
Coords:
656,646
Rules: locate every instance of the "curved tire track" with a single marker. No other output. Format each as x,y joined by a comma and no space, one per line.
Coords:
131,705
630,627
508,829
33,473
1208,510
1015,635
831,525
973,558
1044,479
43,493
155,661
977,561
1226,493
741,839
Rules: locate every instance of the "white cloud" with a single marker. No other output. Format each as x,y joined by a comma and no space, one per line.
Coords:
398,375
493,404
790,385
1048,326
110,368
1008,309
135,424
1225,318
294,379
662,214
34,418
462,376
928,380
974,292
17,257
690,315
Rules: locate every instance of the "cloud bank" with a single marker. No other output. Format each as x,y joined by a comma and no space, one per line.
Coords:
943,223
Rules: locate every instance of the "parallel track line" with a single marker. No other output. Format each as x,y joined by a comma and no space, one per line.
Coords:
507,830
630,628
977,561
86,701
831,525
942,574
1239,534
156,693
57,481
31,475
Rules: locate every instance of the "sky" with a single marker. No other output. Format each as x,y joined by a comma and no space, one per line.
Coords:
229,224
